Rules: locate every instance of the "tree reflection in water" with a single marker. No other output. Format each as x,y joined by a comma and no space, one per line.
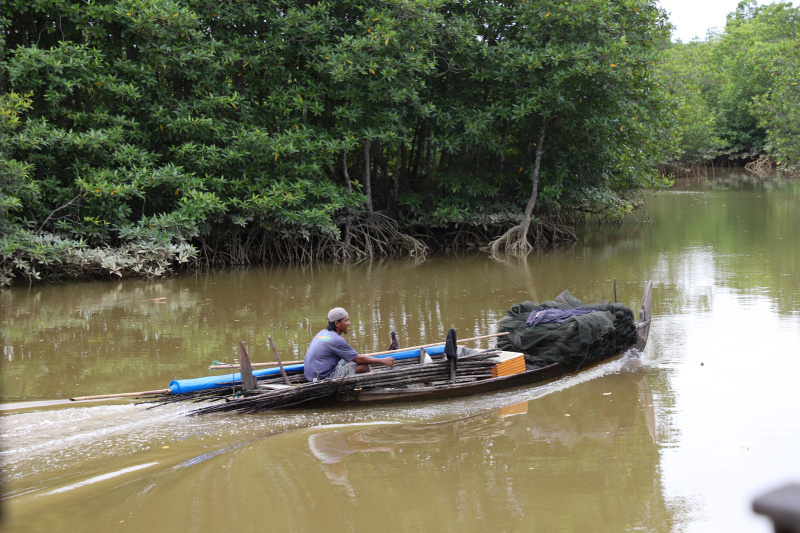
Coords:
571,460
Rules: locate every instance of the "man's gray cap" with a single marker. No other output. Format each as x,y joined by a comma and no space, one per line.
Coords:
336,314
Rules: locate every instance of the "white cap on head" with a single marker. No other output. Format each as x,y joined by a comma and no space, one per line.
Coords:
336,314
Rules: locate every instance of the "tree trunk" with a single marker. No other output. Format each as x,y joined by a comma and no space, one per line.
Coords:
515,240
347,233
417,153
394,191
384,166
526,219
365,173
376,161
344,171
403,164
428,173
503,147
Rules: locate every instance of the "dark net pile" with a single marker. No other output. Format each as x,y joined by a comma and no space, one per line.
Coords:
577,342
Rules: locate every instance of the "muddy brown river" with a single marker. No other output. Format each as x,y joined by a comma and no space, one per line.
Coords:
679,438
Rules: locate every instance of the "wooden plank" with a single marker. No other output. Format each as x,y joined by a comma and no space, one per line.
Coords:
538,376
254,365
278,359
510,363
246,370
120,395
451,351
274,386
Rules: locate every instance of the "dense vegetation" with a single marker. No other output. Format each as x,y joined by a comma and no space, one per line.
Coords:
136,134
741,102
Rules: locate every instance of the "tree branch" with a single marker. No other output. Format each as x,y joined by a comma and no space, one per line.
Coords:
74,201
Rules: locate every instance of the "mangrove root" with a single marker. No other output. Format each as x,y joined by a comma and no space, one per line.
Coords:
366,235
520,240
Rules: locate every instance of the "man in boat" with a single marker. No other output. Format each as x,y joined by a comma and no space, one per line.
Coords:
329,355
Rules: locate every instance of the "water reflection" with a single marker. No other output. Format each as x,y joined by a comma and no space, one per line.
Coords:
331,447
574,454
737,231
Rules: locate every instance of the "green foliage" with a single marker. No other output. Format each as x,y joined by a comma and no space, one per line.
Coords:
776,109
16,185
750,52
176,121
690,75
731,86
36,256
779,112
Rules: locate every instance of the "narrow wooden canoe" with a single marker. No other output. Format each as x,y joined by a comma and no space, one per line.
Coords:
474,376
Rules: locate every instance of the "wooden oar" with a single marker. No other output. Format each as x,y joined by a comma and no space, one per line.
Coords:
119,395
278,360
254,365
212,367
248,380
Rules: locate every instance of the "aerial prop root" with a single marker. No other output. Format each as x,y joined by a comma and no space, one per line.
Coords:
521,239
373,234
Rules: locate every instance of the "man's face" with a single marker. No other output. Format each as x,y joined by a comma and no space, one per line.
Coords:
343,325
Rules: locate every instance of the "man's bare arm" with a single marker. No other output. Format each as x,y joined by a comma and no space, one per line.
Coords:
367,360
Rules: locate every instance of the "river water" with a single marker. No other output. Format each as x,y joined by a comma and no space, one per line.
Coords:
679,438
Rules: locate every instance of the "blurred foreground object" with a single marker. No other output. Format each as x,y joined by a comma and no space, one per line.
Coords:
782,506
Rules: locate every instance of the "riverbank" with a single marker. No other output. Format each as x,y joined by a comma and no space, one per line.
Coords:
365,236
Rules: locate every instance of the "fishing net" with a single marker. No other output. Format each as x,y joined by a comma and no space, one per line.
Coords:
578,341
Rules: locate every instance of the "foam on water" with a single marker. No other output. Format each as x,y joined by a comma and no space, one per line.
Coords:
99,478
55,439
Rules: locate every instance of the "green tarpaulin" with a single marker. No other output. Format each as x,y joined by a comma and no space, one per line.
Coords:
578,341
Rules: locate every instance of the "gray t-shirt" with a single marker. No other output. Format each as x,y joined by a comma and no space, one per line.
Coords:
326,349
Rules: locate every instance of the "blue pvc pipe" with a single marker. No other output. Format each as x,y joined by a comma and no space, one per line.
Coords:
183,386
410,354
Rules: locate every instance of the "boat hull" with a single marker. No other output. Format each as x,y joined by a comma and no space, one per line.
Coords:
540,376
356,390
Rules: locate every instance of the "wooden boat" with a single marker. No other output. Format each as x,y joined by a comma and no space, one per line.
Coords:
476,373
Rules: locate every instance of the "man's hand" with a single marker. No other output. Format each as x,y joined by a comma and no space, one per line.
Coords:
388,361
